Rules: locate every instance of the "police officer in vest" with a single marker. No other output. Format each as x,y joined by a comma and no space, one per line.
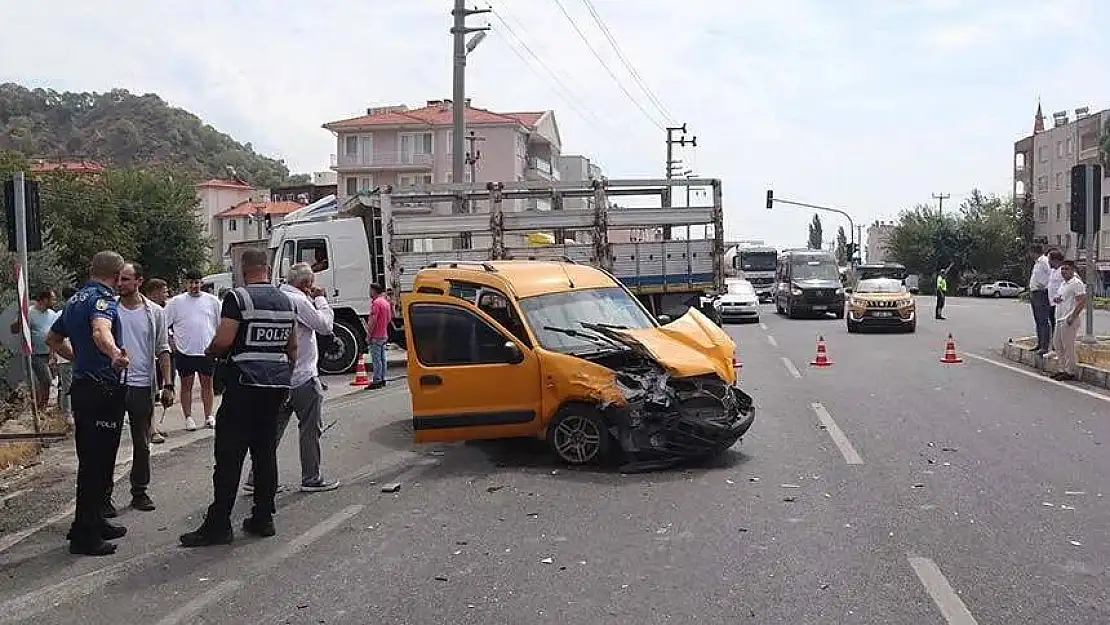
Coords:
257,347
91,323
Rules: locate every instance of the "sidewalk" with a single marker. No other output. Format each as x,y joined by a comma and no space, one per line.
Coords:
61,457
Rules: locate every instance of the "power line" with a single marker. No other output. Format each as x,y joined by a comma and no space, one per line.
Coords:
624,60
567,94
605,65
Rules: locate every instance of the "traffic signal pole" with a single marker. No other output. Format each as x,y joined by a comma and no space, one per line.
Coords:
772,200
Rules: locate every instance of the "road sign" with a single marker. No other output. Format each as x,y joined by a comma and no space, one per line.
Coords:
31,204
770,198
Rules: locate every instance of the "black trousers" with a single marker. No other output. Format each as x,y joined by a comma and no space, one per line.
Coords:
245,422
139,407
98,421
940,303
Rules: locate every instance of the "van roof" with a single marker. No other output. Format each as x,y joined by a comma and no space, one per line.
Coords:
524,278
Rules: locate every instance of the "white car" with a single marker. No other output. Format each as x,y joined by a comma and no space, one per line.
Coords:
738,302
999,288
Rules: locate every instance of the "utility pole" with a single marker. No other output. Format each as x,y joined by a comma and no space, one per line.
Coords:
472,157
458,96
941,197
859,244
671,162
20,201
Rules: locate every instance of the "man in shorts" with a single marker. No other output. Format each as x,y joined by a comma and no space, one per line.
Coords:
192,318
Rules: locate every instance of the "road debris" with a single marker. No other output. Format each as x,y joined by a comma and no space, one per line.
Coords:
493,489
789,499
753,479
1075,543
1048,504
440,578
919,485
1066,507
547,561
391,487
790,486
1075,492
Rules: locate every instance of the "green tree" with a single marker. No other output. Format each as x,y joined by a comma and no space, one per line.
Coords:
816,234
841,246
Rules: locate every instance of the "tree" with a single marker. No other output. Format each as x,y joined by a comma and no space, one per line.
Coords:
841,246
816,235
298,179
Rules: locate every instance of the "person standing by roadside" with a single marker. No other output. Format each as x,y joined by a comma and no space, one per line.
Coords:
314,316
377,328
1070,302
91,322
192,318
1038,299
143,330
256,334
1055,280
40,317
65,371
158,292
942,289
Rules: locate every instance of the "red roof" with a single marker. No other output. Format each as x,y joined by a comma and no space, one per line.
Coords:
80,167
433,115
224,184
244,209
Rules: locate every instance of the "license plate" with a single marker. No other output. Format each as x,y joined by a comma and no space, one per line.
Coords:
884,313
820,308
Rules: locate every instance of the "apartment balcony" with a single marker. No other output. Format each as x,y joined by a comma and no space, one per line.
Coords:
537,168
380,161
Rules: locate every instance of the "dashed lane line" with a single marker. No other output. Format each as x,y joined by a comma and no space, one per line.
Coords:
772,341
836,434
1042,378
190,610
791,369
942,593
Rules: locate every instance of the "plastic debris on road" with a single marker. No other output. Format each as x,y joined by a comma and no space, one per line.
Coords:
391,488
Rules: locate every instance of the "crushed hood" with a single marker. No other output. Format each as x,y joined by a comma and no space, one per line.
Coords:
691,345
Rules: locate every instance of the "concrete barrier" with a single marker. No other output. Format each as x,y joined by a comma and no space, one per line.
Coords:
1023,351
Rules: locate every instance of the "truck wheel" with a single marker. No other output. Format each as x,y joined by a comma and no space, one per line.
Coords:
342,352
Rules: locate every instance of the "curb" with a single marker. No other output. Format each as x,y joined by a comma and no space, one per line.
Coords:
1089,374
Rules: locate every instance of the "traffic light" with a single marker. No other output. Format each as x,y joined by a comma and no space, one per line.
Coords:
770,198
1078,212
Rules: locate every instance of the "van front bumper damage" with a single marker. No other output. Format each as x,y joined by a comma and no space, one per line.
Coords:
668,420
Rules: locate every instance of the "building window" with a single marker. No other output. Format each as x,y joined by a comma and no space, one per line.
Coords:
1059,180
1042,154
467,177
351,185
1042,214
1059,149
450,142
1071,145
232,225
1019,188
415,147
413,180
1058,213
1019,163
350,145
1042,183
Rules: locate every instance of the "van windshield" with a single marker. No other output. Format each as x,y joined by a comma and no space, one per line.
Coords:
610,306
813,269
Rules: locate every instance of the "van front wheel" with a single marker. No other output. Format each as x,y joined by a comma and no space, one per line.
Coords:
579,435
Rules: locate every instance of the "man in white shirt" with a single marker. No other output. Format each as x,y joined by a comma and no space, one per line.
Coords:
1070,302
1038,299
192,318
143,334
1055,280
314,316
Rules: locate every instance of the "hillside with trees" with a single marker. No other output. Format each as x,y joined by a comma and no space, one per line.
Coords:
124,130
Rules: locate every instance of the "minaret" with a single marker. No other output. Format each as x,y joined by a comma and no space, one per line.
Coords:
1038,122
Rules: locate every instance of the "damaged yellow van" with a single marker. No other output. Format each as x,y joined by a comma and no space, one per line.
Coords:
564,352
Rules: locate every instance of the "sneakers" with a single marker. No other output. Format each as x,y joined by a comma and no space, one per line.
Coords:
210,421
190,424
142,502
258,527
318,485
157,437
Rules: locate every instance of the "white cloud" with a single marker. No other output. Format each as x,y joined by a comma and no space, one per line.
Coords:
864,105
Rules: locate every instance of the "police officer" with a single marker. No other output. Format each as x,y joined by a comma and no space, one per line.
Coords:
257,342
91,323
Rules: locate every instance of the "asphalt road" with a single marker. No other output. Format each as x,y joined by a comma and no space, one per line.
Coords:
888,488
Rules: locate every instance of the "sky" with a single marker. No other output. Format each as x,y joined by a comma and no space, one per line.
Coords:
868,106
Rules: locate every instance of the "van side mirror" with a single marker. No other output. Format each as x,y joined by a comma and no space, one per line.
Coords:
664,319
513,355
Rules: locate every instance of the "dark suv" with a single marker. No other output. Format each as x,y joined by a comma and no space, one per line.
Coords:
808,282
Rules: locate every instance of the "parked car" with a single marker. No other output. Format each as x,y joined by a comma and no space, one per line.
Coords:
738,302
566,353
1000,288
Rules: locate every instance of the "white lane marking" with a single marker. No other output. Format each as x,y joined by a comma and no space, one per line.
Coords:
772,341
314,534
8,542
791,369
942,593
202,601
10,496
26,606
836,434
762,326
1042,378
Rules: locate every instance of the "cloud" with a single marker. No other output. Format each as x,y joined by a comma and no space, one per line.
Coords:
864,105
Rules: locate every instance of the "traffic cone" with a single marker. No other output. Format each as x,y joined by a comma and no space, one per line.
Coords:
950,357
822,359
361,379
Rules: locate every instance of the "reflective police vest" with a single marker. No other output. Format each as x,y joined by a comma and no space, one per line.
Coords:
267,320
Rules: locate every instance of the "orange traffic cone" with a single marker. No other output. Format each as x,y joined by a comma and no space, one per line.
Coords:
822,359
361,379
950,357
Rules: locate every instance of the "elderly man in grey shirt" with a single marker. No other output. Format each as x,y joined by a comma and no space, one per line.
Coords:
314,316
